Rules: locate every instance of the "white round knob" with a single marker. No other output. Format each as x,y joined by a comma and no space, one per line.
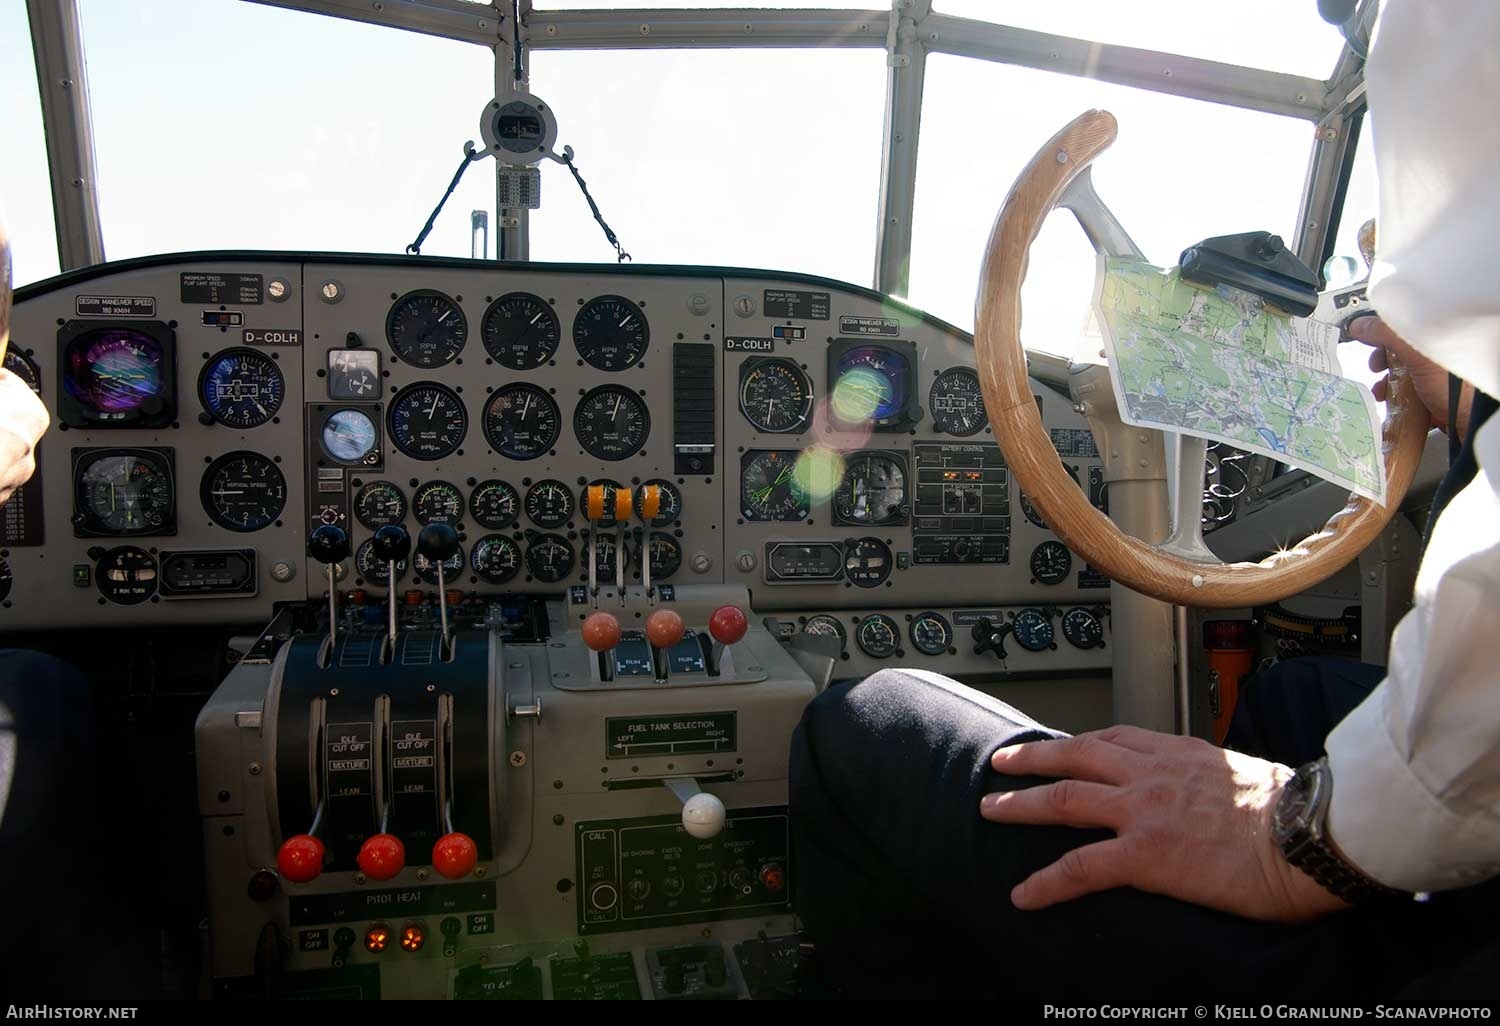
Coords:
703,816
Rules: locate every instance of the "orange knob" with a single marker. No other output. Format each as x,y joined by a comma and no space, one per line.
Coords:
622,505
455,855
300,858
593,503
650,502
381,857
728,624
665,628
601,632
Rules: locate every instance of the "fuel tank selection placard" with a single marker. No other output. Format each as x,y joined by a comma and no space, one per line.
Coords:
634,737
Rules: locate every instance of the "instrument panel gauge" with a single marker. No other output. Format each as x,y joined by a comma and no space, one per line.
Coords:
426,328
931,633
379,503
375,571
549,503
243,491
1050,562
878,636
770,489
241,388
521,421
494,504
872,384
956,402
428,421
669,506
21,365
776,395
867,562
117,376
126,575
123,491
438,502
606,556
1083,628
1032,513
611,333
827,626
549,558
612,491
873,491
1033,629
612,423
496,558
349,436
427,570
665,553
520,331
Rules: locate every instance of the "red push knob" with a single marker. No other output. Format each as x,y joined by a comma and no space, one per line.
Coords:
455,855
300,858
728,624
601,632
381,857
665,628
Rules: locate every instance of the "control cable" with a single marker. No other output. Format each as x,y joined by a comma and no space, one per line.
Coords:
469,157
621,255
515,31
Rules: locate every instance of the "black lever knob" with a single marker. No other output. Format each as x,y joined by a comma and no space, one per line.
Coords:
328,544
438,542
989,636
391,544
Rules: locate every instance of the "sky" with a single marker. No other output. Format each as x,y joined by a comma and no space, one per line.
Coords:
225,124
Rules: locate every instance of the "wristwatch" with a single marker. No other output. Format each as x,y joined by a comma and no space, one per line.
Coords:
1300,827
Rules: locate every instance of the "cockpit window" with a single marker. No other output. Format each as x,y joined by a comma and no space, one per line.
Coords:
1180,171
1278,35
222,125
746,158
25,189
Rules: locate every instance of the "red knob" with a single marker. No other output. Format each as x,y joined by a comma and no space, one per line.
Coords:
728,624
381,857
455,855
665,628
601,632
300,858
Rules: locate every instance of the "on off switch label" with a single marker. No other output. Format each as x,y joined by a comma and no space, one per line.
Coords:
801,306
631,737
215,287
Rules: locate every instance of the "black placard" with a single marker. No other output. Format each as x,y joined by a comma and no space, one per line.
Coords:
21,522
632,737
869,326
355,906
217,287
803,306
115,306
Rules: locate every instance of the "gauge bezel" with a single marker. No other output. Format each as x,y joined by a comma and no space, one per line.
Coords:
586,351
484,520
483,575
367,548
549,350
902,419
403,299
517,387
903,512
750,366
399,400
548,524
1094,617
662,575
240,351
368,486
938,423
322,413
87,525
859,580
437,484
212,508
75,413
1036,554
839,630
100,576
1044,618
797,514
564,574
422,566
28,371
895,629
598,451
916,643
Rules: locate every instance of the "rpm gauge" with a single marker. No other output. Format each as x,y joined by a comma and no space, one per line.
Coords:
438,502
873,491
379,503
496,559
549,558
776,395
122,492
494,504
520,331
426,328
878,636
956,402
243,491
611,333
428,421
770,489
241,388
521,421
549,503
612,423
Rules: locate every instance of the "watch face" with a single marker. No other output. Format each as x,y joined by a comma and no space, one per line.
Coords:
1298,805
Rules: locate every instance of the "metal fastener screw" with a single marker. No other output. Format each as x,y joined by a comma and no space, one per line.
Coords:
480,871
255,769
283,572
518,759
423,874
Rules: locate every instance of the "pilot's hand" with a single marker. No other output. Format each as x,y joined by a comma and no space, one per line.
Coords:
1192,821
23,420
1430,379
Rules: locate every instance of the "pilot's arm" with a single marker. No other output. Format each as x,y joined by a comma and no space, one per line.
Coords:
23,418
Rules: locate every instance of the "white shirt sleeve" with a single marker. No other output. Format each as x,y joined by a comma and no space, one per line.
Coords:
1416,767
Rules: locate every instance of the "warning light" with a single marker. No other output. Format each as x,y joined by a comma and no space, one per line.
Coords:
412,937
377,938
